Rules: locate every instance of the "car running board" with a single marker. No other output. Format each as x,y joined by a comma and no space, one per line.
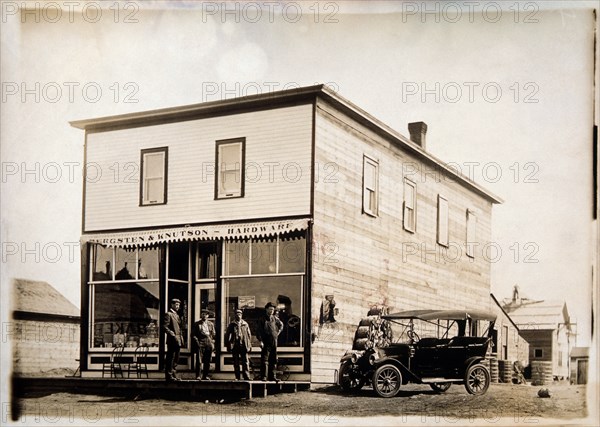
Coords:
437,380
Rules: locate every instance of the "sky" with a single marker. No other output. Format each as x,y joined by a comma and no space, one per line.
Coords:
505,88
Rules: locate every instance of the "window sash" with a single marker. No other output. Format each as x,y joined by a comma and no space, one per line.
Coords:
410,201
154,176
471,232
230,169
442,221
370,186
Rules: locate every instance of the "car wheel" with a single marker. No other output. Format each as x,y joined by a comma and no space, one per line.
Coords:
351,379
387,380
477,379
440,387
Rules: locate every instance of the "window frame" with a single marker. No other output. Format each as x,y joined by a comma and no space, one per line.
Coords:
412,228
535,352
143,153
443,240
242,168
366,208
470,232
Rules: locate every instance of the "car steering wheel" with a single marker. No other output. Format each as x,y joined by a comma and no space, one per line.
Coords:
413,336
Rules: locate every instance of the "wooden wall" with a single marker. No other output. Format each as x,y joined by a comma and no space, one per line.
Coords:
365,261
278,158
47,347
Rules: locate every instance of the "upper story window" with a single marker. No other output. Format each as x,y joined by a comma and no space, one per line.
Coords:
153,185
410,205
229,162
471,232
442,221
370,186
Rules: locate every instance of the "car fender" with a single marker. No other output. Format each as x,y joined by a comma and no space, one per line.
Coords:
471,361
406,373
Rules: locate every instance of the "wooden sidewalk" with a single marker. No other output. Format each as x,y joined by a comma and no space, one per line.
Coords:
24,386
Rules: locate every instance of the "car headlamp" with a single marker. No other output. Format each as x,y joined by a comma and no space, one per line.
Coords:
373,358
354,358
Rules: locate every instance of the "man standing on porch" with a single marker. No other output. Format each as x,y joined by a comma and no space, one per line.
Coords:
239,344
204,344
172,327
269,328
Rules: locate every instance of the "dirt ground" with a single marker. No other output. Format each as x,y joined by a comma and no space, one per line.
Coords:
503,404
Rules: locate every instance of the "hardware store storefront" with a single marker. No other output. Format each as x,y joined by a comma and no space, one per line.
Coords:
129,277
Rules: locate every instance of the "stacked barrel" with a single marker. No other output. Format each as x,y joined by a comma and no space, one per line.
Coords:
492,364
541,372
505,371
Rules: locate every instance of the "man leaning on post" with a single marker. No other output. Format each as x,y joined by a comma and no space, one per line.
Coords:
269,328
172,327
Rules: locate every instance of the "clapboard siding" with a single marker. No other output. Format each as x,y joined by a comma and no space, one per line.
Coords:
277,140
374,263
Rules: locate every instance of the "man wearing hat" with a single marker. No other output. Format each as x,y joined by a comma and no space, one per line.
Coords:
269,328
239,344
172,327
203,334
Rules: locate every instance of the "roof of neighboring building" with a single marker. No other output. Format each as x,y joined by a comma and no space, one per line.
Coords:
580,352
276,99
504,311
541,314
32,296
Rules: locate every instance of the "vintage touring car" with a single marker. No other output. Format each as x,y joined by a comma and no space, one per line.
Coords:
454,354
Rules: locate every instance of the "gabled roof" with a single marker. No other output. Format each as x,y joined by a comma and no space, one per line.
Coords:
271,100
543,314
504,311
32,296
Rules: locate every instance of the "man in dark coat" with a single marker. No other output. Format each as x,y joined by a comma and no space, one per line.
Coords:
172,327
269,328
203,334
239,344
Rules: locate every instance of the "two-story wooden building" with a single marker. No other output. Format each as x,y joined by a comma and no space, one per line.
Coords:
296,197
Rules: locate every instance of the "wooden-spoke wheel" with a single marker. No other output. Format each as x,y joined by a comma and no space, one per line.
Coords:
387,380
440,387
477,379
350,379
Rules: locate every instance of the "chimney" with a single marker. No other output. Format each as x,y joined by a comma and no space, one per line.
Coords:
418,130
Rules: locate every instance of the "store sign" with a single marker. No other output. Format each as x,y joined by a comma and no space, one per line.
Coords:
207,232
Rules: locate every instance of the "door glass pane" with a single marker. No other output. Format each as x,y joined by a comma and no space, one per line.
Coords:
179,260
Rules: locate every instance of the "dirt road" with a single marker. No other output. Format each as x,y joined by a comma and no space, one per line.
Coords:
416,405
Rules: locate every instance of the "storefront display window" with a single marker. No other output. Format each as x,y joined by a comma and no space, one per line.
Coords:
125,311
251,294
258,271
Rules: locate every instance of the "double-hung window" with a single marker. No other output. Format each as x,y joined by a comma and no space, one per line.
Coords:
230,155
370,186
442,221
471,232
153,185
410,205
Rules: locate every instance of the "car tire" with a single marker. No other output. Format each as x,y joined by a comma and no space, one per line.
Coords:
349,379
440,387
477,379
387,380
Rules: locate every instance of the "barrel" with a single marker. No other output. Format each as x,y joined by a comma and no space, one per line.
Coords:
541,372
505,371
492,364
